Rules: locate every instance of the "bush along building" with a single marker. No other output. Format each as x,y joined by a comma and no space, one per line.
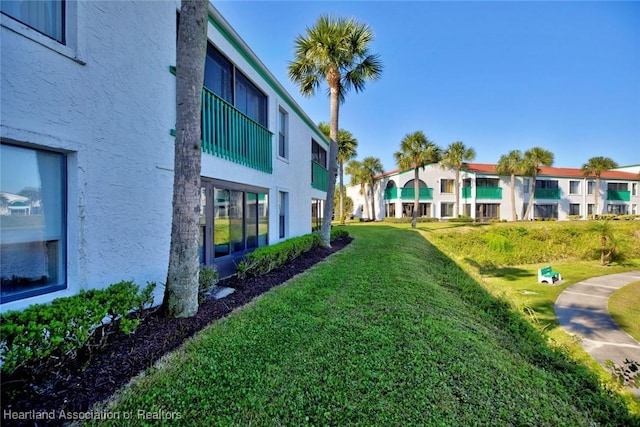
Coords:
559,194
87,135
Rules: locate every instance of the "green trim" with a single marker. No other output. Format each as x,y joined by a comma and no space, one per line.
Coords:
172,69
272,83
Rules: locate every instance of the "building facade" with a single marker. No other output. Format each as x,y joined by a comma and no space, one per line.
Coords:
87,133
560,193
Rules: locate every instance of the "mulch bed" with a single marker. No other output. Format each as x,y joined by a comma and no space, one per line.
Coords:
86,381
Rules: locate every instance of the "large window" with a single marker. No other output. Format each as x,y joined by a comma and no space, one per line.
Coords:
487,182
44,16
32,222
574,209
424,210
545,211
574,187
226,81
618,209
283,119
446,210
487,210
546,183
446,186
618,186
318,154
234,220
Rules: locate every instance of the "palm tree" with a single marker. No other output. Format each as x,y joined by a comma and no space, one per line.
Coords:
371,166
595,166
335,50
347,145
356,171
511,164
416,151
455,157
181,290
534,158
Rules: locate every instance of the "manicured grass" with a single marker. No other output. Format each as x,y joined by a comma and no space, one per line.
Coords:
389,331
624,306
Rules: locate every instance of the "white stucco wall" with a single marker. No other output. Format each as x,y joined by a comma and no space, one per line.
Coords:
107,100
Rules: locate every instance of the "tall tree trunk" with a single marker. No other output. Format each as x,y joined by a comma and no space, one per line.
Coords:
531,194
416,199
514,214
363,191
373,200
333,160
341,191
181,291
457,190
595,197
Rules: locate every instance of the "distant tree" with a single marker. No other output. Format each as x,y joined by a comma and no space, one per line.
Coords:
371,167
335,50
31,193
603,230
416,151
181,290
534,158
511,164
348,203
595,166
455,157
347,145
358,177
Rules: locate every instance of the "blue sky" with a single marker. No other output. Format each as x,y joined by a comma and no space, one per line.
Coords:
496,75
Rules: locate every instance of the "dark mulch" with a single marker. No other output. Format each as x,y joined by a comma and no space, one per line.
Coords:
86,381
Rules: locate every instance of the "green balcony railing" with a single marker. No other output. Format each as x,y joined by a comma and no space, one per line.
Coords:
619,195
488,192
391,193
466,192
409,193
547,193
231,135
319,177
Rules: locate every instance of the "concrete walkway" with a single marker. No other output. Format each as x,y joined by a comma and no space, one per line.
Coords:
581,309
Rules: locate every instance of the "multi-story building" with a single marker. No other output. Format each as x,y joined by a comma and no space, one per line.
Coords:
88,112
560,193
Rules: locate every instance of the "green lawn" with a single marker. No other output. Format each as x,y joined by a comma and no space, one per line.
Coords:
624,306
389,331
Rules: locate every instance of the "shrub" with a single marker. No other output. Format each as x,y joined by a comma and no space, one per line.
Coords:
338,233
43,336
574,217
207,279
408,220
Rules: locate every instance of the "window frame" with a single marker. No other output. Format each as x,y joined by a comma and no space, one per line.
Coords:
572,184
448,206
283,133
60,23
444,184
60,252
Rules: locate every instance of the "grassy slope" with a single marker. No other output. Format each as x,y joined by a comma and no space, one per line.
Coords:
387,332
624,307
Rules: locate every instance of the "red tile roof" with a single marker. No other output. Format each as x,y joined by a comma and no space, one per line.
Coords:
485,168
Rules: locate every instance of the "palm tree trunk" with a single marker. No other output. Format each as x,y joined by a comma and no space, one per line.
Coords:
333,159
341,191
416,198
457,190
181,291
595,197
363,190
373,200
513,197
531,194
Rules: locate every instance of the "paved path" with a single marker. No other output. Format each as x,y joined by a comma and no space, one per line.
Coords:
581,309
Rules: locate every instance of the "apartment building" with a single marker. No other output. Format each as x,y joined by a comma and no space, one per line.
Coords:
560,193
87,146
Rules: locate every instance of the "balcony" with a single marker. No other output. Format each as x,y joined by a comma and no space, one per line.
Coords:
547,193
229,134
319,177
408,193
466,192
488,192
619,195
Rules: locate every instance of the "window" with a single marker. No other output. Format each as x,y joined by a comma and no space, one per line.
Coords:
526,184
574,187
618,186
44,16
446,210
424,210
283,203
487,182
282,133
618,209
634,189
466,183
32,222
546,183
634,209
316,214
318,154
487,210
223,79
390,210
446,186
234,219
574,209
590,209
545,211
591,185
